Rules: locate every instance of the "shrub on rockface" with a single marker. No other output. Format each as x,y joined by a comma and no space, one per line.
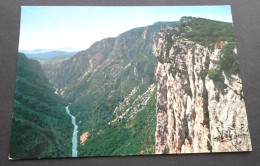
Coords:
214,74
228,60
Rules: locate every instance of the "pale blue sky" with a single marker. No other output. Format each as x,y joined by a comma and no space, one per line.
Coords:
54,27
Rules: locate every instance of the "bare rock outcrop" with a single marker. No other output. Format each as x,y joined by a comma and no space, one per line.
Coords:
195,113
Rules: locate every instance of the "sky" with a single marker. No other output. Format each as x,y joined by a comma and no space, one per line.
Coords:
77,27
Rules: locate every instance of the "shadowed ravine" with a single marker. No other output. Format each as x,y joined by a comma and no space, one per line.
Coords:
74,138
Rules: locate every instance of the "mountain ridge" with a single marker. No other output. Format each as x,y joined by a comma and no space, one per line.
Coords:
112,50
50,55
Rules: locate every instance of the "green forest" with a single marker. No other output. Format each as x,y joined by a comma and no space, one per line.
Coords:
96,101
206,32
40,127
125,137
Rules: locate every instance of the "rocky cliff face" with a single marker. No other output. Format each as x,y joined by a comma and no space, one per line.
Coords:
195,113
104,82
125,47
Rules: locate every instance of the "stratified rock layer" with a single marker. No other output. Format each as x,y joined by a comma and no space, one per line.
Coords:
195,113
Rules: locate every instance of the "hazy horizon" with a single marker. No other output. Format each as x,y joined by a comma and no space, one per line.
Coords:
78,27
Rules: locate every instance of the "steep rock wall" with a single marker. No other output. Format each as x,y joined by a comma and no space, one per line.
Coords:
195,113
123,48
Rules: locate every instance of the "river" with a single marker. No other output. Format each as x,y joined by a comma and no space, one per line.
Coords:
74,138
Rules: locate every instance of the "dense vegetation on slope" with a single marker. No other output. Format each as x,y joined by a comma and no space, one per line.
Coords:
97,98
41,128
97,80
125,137
206,32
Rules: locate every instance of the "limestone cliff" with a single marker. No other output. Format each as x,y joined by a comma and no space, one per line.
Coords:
196,113
112,80
125,47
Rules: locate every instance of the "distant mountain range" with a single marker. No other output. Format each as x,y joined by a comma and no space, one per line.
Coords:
50,55
39,51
